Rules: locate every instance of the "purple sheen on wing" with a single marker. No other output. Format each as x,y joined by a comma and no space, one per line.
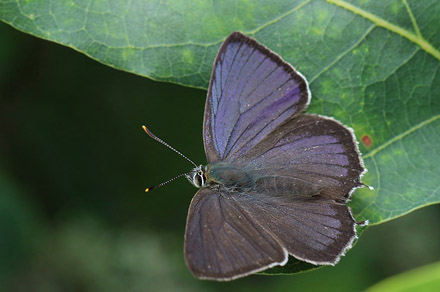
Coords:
307,150
222,112
252,92
324,148
321,158
258,121
307,139
278,79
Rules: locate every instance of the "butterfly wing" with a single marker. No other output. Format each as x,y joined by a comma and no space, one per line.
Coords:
314,230
252,91
223,242
308,156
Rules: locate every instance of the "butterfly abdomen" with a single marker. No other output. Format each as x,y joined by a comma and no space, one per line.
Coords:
226,175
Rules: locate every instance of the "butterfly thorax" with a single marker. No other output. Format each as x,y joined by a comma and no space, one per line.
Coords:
221,175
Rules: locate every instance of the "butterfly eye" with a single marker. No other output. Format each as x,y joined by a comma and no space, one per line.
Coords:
199,179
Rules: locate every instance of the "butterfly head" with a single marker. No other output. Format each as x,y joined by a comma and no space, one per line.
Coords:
197,176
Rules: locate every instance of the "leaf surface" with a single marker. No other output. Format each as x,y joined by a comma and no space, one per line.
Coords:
374,65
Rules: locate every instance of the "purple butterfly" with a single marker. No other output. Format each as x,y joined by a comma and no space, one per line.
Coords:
277,180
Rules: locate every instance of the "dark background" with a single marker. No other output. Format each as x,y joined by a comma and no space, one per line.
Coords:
74,163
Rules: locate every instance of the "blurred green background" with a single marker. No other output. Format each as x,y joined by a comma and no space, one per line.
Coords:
74,163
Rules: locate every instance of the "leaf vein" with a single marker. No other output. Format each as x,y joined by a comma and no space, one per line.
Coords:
417,39
402,135
340,56
279,18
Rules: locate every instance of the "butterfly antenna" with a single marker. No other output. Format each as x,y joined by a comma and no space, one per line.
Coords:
149,133
149,189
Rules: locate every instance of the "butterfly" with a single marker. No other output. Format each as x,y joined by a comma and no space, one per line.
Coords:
277,180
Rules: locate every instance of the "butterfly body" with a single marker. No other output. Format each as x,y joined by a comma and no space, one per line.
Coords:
227,176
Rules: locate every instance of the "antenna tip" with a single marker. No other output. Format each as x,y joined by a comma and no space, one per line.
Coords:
145,128
147,190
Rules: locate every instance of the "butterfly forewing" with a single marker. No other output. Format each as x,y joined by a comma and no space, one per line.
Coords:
252,91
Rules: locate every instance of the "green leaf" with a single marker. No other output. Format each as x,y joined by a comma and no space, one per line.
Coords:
423,279
374,65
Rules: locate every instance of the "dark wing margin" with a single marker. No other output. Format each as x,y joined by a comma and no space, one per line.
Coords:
252,91
222,241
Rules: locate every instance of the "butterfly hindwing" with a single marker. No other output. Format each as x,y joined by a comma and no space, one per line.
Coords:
223,242
307,156
314,230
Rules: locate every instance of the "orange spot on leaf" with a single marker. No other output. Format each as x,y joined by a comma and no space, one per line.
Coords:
366,140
